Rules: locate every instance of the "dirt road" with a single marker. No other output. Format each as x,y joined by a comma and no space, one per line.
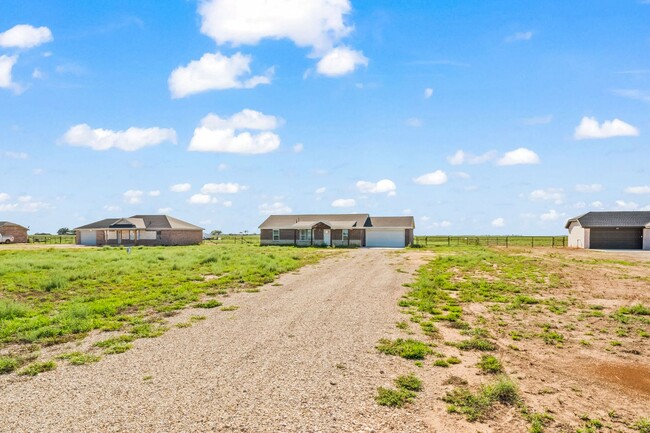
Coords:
295,357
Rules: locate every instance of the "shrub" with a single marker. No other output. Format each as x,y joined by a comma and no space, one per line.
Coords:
475,406
78,358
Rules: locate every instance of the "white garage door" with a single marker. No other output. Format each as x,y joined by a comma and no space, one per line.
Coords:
88,237
385,238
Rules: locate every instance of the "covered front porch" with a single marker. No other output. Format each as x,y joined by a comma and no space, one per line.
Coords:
319,233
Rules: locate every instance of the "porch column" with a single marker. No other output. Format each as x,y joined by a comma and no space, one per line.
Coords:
295,233
311,238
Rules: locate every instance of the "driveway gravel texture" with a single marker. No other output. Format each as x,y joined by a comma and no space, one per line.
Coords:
298,356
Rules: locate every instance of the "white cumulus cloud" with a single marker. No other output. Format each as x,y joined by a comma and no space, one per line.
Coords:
4,197
340,61
554,194
216,134
298,147
155,193
344,202
590,129
180,187
133,196
551,215
626,205
318,24
215,72
594,187
518,157
25,36
202,199
462,157
223,188
437,177
6,65
645,189
428,92
382,186
498,222
274,208
129,140
520,36
321,190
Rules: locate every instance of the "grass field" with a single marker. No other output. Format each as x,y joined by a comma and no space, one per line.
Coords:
51,296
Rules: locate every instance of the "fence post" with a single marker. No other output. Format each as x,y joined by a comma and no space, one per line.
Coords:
532,241
553,242
448,241
506,241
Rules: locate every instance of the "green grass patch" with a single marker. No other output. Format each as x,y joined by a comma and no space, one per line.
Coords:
79,358
212,303
409,349
37,368
489,364
8,364
409,382
230,308
477,405
476,344
393,397
642,425
50,296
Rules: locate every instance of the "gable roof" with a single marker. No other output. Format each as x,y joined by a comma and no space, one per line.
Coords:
310,220
336,221
630,219
402,222
10,224
148,222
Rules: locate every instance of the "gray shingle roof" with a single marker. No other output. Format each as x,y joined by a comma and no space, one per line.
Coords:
150,222
402,222
636,219
289,221
336,221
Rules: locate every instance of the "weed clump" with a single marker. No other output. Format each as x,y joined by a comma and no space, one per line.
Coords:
410,382
212,303
78,358
37,368
8,364
393,397
476,405
476,344
490,365
408,349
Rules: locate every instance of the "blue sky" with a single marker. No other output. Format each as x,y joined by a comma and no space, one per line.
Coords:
476,117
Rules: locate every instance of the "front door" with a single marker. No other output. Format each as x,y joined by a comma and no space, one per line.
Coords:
326,237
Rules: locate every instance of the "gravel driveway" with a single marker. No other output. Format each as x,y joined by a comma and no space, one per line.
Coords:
298,357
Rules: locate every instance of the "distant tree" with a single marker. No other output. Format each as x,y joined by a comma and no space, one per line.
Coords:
63,231
215,233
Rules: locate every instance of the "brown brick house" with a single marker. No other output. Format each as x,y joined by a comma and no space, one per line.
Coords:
139,230
360,230
12,229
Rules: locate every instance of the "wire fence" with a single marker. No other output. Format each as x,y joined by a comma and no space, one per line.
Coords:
505,241
51,239
233,239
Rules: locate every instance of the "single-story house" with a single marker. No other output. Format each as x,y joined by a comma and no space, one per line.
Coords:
12,229
139,230
360,230
621,230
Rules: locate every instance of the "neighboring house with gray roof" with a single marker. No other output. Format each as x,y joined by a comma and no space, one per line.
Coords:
139,230
628,230
360,230
12,229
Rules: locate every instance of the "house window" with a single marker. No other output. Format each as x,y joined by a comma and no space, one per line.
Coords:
276,234
304,235
346,234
